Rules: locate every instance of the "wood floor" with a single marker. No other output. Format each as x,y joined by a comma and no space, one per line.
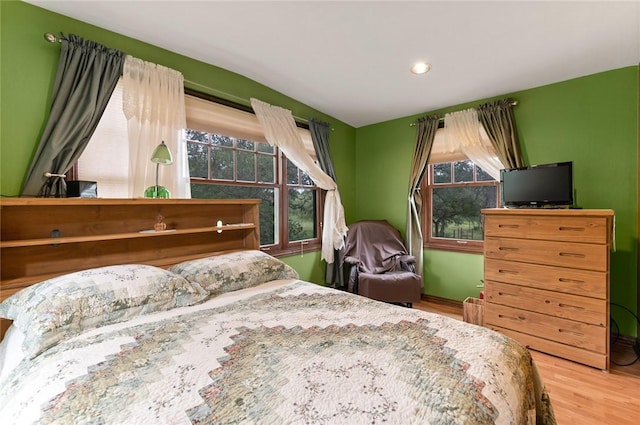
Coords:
582,395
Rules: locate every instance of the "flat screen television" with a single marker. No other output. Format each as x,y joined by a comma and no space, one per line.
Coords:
540,186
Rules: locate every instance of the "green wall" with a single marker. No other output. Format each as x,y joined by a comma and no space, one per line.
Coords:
28,67
592,121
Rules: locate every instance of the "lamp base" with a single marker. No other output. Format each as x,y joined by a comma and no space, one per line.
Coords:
160,192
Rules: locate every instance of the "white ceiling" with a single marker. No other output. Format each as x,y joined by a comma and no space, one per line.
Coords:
351,59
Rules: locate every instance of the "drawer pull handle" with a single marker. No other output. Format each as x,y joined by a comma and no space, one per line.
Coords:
575,307
519,318
507,271
565,280
571,254
566,331
506,248
508,226
572,229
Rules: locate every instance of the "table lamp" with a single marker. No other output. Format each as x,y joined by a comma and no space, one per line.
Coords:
161,155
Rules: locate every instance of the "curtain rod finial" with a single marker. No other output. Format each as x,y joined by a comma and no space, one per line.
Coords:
50,37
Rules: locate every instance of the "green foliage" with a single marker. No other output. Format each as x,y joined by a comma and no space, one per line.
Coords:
302,218
267,207
221,158
456,209
459,208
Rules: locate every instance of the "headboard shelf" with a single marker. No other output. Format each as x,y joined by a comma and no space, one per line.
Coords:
120,236
47,237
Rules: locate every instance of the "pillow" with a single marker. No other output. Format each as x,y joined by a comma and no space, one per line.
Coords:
11,352
60,308
233,271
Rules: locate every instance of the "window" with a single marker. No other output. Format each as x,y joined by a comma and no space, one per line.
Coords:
455,193
230,158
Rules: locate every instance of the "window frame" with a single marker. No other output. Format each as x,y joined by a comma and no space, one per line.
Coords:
283,246
450,244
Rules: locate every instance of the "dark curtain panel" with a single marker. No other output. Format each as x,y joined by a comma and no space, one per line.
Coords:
426,133
320,136
498,121
87,74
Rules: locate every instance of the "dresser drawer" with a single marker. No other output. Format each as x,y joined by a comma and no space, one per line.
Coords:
567,306
571,281
569,229
563,254
599,360
577,334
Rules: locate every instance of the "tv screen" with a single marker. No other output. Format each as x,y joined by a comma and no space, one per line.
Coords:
548,185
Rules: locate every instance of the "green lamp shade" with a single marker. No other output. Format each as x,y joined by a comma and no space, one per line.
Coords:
161,155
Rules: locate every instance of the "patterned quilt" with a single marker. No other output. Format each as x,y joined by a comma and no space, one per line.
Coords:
284,352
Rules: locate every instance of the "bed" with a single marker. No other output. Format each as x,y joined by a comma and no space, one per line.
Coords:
233,336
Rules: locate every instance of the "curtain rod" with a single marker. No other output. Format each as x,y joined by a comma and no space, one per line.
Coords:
441,120
245,103
237,99
52,38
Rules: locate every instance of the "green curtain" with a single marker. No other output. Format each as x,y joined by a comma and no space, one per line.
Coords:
320,137
498,121
86,76
426,133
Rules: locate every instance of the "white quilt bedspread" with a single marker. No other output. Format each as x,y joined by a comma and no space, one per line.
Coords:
284,352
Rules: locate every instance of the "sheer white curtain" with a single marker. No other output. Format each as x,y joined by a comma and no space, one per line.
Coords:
463,132
280,130
153,103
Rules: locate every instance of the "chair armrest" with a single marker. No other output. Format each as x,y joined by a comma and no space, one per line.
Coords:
408,263
351,260
408,259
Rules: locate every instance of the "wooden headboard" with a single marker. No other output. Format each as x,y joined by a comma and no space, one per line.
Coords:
47,237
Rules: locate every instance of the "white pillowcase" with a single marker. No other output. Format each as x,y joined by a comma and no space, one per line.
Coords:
234,270
62,307
11,352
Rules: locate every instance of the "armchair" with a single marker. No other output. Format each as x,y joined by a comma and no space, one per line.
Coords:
377,264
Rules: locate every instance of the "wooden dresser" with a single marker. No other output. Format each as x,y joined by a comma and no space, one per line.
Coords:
546,277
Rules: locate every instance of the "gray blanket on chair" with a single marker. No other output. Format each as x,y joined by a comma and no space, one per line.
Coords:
376,247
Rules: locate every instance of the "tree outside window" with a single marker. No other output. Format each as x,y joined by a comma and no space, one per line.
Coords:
456,192
303,204
223,167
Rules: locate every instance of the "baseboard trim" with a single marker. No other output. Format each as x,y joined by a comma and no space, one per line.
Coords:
442,301
626,340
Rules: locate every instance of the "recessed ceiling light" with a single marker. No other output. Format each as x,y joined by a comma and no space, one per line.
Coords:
420,68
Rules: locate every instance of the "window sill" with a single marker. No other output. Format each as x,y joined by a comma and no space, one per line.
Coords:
291,250
475,248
